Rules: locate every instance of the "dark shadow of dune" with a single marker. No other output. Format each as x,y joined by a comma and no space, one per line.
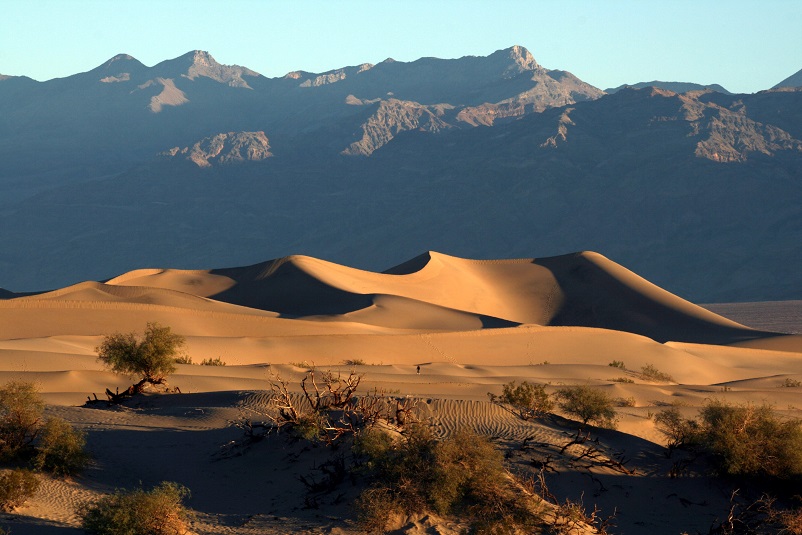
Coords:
25,525
595,297
280,286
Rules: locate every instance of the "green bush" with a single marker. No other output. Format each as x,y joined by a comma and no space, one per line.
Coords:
588,404
651,373
60,449
21,409
16,486
138,512
529,400
751,440
680,432
153,358
462,475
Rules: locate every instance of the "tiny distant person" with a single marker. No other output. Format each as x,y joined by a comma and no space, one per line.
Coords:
418,369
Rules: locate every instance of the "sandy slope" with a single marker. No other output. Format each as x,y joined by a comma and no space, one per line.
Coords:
471,326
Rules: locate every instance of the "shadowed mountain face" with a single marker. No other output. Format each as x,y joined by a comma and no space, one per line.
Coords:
191,163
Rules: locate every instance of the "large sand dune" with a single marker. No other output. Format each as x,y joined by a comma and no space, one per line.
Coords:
471,326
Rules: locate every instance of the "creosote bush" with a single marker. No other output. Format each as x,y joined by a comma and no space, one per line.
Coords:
53,445
588,404
159,511
217,361
21,410
153,357
16,487
745,440
463,475
60,449
529,400
651,373
751,440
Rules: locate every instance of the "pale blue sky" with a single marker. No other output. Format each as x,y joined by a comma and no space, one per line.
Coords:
743,45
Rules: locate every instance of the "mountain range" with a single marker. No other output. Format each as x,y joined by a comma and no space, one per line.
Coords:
195,164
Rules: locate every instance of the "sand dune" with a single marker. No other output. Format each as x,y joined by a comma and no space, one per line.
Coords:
471,326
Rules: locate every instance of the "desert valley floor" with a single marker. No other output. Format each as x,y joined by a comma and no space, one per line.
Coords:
471,326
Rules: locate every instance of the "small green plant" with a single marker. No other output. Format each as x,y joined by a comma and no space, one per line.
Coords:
650,373
159,511
621,380
618,364
16,487
21,409
213,362
791,383
60,449
588,404
529,400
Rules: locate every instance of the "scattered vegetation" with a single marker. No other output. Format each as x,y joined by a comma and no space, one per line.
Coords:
16,487
60,449
650,373
213,362
355,362
528,400
462,475
159,511
152,358
791,383
588,404
327,409
183,359
21,410
618,364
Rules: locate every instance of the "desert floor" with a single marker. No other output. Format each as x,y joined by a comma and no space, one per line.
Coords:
471,326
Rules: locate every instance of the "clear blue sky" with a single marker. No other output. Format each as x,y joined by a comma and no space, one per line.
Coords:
743,45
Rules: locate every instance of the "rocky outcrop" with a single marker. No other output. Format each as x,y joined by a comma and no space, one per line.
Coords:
202,64
795,80
392,117
225,148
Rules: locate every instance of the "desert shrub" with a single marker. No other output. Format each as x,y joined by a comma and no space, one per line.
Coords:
60,449
626,402
355,362
618,364
463,474
183,359
152,357
529,400
651,373
621,380
588,404
159,511
751,440
21,410
16,486
791,383
213,362
680,432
